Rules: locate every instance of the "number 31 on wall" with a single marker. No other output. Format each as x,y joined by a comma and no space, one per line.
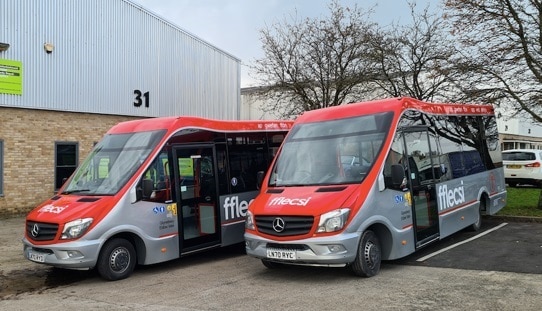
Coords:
140,97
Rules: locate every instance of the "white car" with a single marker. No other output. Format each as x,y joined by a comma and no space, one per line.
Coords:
522,166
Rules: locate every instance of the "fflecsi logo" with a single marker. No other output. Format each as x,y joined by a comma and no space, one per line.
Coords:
452,197
289,201
235,208
52,209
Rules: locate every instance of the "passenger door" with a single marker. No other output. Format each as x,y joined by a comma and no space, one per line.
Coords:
423,170
197,186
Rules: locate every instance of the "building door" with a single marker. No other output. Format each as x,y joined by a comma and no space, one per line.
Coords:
422,170
197,185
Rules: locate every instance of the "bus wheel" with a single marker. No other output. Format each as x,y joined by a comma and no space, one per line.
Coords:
117,260
478,223
367,262
271,264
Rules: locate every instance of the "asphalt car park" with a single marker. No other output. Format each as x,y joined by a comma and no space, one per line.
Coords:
502,244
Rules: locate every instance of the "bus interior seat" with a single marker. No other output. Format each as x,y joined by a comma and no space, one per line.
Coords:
161,184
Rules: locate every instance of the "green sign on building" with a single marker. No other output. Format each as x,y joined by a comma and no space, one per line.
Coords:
11,77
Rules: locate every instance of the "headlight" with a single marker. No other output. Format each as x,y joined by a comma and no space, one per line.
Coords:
249,221
76,228
333,221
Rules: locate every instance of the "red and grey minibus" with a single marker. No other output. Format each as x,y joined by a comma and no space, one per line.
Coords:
356,184
154,190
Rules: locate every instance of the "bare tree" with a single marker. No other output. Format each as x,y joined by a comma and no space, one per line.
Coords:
315,63
500,58
413,59
479,51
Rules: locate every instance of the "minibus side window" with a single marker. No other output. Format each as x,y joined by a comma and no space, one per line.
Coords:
247,156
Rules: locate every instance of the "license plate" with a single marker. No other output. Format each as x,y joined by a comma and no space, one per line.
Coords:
513,166
37,257
281,254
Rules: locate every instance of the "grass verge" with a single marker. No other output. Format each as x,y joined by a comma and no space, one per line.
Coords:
522,202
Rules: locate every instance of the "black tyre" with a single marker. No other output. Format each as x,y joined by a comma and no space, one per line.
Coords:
369,257
271,264
478,224
117,260
513,184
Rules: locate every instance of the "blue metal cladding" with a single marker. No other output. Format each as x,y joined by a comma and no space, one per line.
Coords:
114,57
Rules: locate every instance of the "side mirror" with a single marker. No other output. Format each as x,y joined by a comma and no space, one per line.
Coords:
147,187
397,175
259,178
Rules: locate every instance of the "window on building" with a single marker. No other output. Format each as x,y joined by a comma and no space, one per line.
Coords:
66,159
1,167
507,145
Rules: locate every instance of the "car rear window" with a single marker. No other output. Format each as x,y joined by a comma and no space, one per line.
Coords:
518,156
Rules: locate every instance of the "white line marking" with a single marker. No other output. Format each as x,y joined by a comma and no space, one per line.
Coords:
462,242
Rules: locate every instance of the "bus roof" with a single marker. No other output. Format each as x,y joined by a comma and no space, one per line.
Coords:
398,104
174,123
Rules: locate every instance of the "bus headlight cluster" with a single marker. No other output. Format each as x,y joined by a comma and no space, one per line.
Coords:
333,221
75,228
249,221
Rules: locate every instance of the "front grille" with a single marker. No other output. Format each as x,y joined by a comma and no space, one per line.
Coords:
293,225
40,231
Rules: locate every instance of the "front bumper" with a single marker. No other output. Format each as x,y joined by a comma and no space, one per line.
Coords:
335,250
80,255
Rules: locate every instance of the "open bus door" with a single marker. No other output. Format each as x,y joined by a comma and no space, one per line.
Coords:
197,183
421,172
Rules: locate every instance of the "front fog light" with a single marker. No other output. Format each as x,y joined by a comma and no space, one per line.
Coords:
337,248
74,254
250,244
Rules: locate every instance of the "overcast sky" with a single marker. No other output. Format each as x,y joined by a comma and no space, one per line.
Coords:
233,25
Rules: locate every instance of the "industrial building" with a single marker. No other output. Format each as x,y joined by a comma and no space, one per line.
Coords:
69,70
520,132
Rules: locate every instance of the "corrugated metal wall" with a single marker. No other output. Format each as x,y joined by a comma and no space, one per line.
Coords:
105,50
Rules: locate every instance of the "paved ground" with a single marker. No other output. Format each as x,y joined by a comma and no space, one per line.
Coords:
467,277
515,247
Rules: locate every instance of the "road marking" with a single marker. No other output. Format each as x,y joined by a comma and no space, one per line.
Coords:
424,258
